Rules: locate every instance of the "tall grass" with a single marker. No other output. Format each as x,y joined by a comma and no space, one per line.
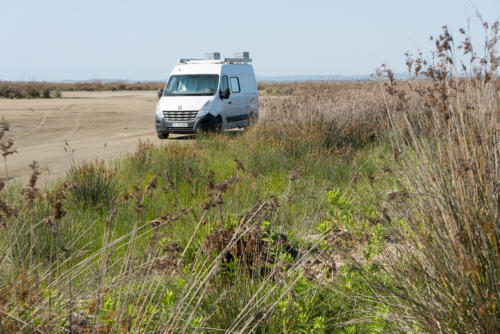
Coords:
93,184
445,275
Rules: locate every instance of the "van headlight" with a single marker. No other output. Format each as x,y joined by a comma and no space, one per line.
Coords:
205,109
159,113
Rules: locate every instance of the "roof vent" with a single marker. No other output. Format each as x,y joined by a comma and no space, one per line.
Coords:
243,55
240,57
212,55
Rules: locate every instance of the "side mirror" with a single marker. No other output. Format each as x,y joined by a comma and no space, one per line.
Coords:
160,92
224,94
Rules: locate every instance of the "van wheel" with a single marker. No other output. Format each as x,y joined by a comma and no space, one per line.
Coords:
162,135
217,125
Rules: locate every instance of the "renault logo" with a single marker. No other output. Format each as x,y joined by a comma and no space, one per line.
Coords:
179,107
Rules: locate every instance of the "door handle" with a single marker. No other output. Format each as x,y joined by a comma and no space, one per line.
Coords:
229,102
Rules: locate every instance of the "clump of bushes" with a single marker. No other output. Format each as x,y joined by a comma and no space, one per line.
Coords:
40,89
29,90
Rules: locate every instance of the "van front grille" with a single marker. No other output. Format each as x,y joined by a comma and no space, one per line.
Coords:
178,116
180,130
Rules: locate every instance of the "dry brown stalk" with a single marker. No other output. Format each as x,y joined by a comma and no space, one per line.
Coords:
6,144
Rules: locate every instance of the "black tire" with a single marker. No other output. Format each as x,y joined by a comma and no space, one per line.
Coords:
217,127
162,135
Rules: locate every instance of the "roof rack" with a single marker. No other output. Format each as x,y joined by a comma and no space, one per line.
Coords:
214,58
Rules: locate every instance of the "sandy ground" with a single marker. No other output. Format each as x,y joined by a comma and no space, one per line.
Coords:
95,124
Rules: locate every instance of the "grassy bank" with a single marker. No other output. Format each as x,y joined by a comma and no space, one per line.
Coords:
349,208
229,220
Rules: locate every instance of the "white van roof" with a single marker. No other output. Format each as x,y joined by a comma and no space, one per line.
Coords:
211,64
214,58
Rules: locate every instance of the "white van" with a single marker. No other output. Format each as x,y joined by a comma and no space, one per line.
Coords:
208,94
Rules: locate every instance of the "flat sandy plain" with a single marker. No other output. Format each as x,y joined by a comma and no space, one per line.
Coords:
95,124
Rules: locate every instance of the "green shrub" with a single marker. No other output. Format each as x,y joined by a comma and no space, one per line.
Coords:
93,184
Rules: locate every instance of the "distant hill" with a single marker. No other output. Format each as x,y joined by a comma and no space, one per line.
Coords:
299,78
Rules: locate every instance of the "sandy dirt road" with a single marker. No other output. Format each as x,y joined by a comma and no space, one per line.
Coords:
95,124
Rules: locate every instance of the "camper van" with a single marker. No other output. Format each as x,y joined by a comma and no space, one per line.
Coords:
210,94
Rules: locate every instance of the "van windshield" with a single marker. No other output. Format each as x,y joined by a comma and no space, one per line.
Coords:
197,84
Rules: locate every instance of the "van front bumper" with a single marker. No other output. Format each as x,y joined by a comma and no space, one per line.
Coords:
205,123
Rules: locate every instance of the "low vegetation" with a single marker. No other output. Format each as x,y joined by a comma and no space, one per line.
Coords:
40,89
349,207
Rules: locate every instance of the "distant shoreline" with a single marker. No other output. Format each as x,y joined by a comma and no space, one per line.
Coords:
260,78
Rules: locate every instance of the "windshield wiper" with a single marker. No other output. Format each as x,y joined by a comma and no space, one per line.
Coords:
190,94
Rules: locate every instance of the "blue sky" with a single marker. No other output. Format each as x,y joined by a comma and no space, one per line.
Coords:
142,40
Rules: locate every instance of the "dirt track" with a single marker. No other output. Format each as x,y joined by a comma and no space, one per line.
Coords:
95,124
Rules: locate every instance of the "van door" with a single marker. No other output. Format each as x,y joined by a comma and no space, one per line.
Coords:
227,104
238,112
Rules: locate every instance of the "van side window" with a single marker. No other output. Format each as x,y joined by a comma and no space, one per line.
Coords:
235,85
224,83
